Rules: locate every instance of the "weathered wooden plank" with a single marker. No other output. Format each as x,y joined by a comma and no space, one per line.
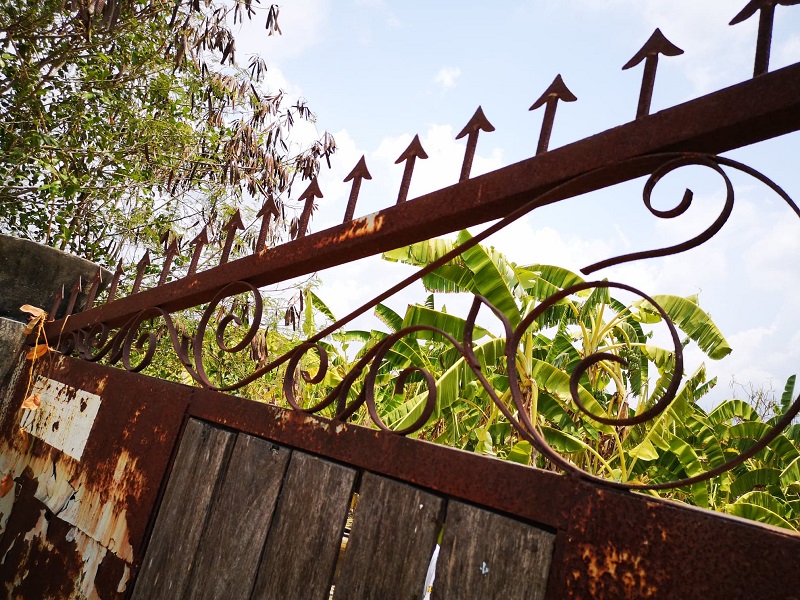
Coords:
183,513
486,555
306,534
394,531
227,558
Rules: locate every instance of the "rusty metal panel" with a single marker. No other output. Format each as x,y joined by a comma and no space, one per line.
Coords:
86,466
622,545
64,417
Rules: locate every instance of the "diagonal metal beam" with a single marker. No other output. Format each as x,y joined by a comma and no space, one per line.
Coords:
743,114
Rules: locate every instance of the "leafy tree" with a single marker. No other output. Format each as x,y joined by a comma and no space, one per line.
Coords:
122,120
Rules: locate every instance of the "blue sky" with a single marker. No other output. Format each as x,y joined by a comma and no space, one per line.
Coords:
378,72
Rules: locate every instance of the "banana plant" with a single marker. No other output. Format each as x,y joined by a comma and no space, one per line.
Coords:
682,441
582,324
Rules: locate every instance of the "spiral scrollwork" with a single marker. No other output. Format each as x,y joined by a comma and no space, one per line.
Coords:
686,201
356,390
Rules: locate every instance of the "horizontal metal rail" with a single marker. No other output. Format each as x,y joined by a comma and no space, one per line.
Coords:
765,107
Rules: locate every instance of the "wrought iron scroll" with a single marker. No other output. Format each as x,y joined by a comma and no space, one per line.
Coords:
97,343
134,346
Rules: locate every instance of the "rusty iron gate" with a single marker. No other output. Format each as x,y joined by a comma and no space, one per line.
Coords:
129,486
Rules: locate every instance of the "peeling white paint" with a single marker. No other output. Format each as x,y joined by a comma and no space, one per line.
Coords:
100,522
92,554
65,418
123,583
54,488
39,530
6,506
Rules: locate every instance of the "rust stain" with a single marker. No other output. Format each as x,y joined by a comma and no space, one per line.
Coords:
69,528
29,566
358,228
611,569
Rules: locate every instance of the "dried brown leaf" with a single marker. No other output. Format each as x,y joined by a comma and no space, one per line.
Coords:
33,310
32,402
37,351
6,484
31,326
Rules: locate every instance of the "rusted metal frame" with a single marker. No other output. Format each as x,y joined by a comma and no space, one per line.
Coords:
597,528
619,544
522,424
756,110
537,496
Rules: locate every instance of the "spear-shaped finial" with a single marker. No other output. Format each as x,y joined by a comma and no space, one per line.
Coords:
655,45
112,290
91,294
557,91
766,19
358,173
73,296
267,212
410,155
172,252
197,243
230,228
57,300
140,267
312,191
472,129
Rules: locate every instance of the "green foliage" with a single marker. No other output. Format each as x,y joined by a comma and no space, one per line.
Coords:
122,123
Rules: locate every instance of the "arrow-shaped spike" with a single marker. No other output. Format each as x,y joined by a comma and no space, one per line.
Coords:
268,210
112,291
172,251
198,243
765,21
410,155
477,123
230,228
358,173
312,191
557,91
95,285
57,300
73,296
140,267
657,44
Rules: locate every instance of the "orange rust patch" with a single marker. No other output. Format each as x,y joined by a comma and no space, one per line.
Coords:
358,228
611,570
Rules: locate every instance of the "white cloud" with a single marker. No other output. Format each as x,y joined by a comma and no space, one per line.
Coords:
447,76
